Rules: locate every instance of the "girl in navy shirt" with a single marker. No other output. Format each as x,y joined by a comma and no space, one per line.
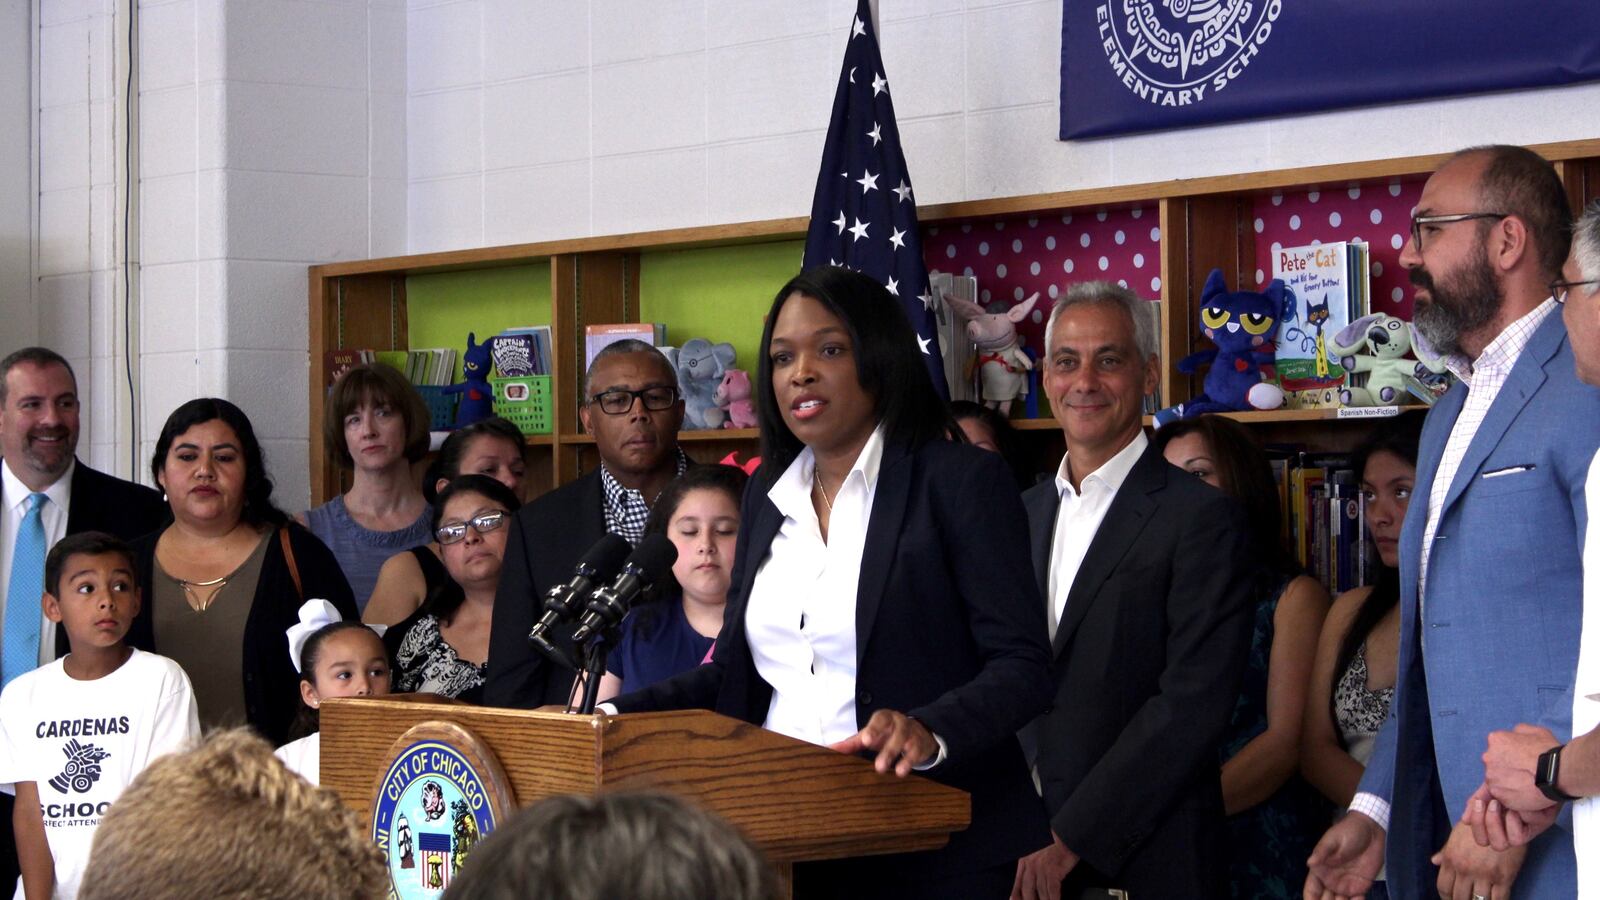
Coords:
699,512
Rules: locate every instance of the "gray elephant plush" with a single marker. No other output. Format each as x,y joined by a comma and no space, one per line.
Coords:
700,365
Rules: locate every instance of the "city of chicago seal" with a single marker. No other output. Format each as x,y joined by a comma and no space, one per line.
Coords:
442,793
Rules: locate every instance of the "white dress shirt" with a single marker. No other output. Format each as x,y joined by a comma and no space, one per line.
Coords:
14,500
1079,518
1586,690
801,617
1483,378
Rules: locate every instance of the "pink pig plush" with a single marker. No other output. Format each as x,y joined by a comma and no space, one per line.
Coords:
1003,367
733,395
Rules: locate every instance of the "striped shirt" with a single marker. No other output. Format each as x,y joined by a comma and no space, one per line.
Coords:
1483,379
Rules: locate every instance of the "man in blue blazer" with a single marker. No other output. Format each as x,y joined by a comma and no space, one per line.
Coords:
1145,579
1491,580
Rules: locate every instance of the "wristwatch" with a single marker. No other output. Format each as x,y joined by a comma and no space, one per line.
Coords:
1545,773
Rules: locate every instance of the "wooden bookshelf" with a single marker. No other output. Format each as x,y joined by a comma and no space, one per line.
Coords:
1203,224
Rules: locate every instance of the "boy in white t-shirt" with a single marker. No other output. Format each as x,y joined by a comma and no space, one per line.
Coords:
75,732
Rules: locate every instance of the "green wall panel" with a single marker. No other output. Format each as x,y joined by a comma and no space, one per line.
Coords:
718,293
441,308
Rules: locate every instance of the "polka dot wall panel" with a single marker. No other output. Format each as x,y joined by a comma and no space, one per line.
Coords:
1378,213
1013,258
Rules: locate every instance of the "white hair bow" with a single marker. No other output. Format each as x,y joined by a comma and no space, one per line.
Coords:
314,614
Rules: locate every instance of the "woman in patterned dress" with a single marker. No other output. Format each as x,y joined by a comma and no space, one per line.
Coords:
443,647
1353,678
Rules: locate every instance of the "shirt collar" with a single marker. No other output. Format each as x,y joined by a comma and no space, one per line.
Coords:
1505,349
614,490
1113,473
16,493
792,491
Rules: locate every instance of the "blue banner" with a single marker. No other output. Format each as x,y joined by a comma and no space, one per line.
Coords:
1146,65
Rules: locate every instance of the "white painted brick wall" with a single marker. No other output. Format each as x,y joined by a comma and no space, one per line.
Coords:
744,87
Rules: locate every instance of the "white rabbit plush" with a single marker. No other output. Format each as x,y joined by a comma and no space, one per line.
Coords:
1387,340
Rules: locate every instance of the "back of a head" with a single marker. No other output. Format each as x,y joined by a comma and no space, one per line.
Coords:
228,819
615,847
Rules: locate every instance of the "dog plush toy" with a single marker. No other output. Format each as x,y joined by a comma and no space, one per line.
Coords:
1386,340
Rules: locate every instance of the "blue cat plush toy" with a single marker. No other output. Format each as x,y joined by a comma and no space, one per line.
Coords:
477,397
1243,325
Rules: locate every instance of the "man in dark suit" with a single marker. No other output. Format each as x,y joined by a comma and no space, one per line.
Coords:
38,439
39,420
633,408
1145,576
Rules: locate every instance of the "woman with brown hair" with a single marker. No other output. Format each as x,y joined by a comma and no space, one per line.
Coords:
376,426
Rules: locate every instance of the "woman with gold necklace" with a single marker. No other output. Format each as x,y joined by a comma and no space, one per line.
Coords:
882,599
224,581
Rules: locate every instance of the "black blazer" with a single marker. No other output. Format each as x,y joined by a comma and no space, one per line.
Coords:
1148,661
271,684
548,537
949,629
102,502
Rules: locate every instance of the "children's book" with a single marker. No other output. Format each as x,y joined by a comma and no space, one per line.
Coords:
338,362
1328,288
597,337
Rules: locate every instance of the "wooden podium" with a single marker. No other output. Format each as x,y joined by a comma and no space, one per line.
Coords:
795,800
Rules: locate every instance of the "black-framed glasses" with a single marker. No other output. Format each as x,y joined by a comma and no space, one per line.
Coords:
1418,221
1560,287
454,534
619,402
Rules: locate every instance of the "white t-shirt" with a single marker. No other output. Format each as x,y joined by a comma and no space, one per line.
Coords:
82,742
304,757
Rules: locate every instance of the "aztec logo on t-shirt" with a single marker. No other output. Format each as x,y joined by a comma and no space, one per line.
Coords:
82,769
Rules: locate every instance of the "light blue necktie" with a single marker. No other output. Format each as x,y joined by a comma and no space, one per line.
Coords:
20,652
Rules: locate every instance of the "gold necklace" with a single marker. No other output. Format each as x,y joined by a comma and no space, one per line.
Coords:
816,482
193,599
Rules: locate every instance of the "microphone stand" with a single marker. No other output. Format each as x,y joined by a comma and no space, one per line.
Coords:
594,668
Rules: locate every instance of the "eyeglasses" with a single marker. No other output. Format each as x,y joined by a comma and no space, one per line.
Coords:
619,403
1418,221
1559,289
455,534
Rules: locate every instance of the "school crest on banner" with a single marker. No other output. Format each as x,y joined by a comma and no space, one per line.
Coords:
1142,65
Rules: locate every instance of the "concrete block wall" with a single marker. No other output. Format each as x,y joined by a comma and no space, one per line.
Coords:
278,133
74,264
539,119
17,197
271,138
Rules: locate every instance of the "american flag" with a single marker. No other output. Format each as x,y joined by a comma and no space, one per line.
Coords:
864,215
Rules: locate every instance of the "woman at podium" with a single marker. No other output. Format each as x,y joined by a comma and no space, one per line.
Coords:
883,598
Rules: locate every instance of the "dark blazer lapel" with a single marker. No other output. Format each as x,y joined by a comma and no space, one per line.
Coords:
1118,532
763,523
75,506
889,501
1042,504
1525,378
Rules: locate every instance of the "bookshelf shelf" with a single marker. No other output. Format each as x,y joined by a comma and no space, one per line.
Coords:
1192,226
687,437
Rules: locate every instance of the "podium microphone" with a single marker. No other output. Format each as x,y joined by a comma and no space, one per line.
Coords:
653,559
563,601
